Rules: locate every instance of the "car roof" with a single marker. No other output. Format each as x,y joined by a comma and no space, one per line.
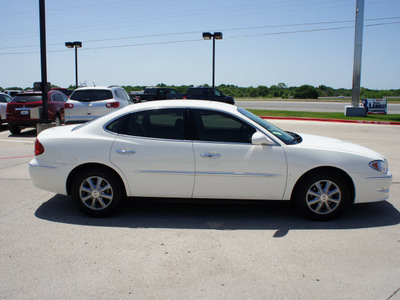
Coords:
37,93
97,88
177,103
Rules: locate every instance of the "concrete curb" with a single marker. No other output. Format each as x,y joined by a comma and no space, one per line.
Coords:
334,120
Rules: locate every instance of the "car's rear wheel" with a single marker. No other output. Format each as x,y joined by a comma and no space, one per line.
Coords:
14,129
322,195
96,192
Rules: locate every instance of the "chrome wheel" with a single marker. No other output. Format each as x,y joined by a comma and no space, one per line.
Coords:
323,197
323,194
96,193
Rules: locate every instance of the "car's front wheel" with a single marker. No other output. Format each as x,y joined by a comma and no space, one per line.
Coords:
96,192
322,195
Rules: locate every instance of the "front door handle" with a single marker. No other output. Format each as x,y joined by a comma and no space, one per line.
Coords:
210,155
124,151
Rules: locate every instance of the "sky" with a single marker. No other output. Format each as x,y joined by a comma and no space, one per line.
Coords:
147,42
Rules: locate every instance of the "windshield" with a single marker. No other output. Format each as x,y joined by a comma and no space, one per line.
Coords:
91,95
279,133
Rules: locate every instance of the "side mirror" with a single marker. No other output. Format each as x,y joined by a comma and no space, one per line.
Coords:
260,139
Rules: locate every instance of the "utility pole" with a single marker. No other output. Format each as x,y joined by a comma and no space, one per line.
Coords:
42,16
355,110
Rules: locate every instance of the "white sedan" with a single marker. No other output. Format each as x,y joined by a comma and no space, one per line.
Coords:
204,150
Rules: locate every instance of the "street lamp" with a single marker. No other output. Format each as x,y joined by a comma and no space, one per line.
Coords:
75,45
215,36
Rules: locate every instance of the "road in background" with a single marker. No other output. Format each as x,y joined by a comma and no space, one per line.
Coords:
304,106
50,250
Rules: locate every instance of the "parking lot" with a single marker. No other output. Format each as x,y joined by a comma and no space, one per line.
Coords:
153,250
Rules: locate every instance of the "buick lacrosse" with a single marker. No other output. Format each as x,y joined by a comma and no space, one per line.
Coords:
203,150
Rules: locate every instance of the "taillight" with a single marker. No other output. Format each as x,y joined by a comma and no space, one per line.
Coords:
112,104
68,105
39,149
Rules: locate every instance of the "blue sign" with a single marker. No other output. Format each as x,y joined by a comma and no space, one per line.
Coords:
375,106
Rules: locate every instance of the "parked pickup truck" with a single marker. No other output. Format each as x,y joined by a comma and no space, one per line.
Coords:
207,93
150,94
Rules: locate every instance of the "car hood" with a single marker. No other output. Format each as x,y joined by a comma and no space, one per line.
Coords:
320,142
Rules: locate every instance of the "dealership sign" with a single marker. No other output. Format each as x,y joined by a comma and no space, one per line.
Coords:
376,106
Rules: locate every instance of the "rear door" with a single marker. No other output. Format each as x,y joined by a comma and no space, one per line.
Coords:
153,152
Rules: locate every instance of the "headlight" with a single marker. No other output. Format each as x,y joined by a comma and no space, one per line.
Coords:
379,165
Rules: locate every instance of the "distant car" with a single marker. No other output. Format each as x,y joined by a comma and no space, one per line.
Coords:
88,103
207,93
20,109
4,99
157,93
203,149
66,92
12,93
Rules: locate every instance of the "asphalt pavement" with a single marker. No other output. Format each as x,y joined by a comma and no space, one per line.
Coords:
150,250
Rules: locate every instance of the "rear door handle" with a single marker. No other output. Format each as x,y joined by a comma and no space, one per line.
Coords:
210,155
124,151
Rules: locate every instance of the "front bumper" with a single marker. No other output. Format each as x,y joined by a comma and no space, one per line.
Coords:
372,188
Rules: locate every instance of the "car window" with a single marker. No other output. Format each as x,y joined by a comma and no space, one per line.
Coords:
217,93
56,97
27,98
159,123
59,97
64,98
5,99
125,95
121,94
118,94
91,95
217,126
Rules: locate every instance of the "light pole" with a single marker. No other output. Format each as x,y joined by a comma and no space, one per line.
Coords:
215,36
75,45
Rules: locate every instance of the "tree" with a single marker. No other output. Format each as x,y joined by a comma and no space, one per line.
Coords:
306,92
282,86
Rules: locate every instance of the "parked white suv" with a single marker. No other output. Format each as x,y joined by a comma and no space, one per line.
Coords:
88,103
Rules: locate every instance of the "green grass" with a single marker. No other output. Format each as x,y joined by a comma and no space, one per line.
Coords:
324,115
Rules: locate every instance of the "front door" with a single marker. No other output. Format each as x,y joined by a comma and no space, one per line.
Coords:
228,165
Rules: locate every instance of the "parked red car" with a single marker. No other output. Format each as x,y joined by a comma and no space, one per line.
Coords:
20,114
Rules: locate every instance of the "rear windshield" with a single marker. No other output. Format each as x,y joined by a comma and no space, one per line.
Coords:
21,98
91,95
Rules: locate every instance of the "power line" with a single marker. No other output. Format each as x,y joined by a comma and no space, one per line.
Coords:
195,32
197,40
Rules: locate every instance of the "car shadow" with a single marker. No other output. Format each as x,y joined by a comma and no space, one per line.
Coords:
227,215
30,132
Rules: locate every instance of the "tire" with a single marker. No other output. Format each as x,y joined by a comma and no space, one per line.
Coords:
57,120
96,192
322,196
14,129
